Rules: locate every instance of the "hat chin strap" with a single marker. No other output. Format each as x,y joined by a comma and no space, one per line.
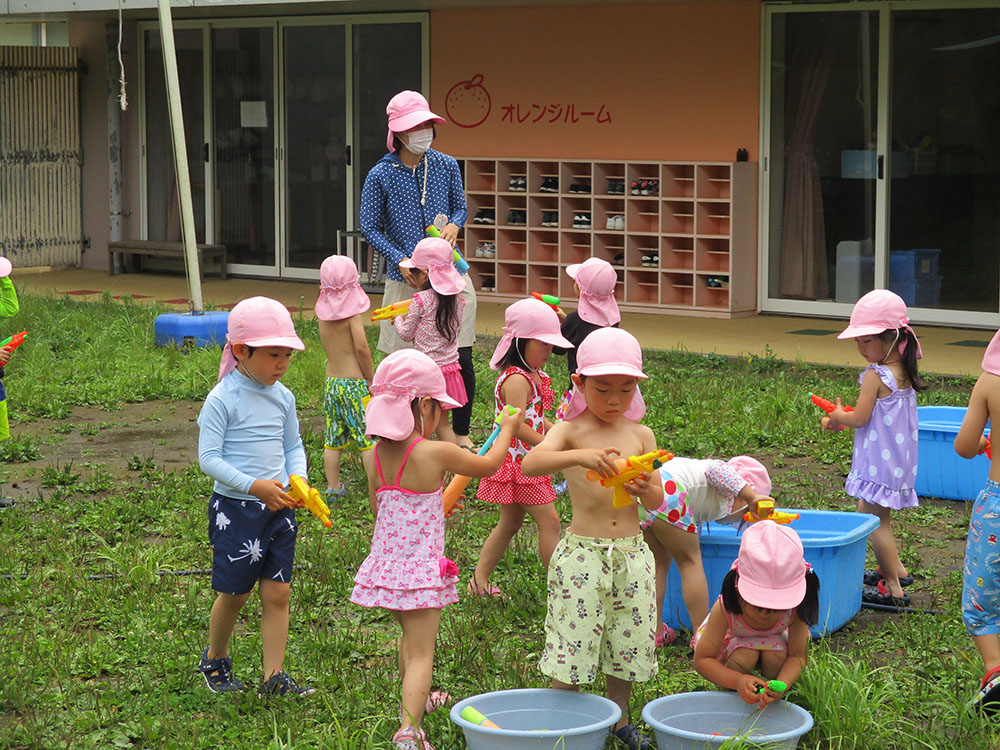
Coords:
891,347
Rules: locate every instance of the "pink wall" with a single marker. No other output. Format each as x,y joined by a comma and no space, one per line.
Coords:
679,80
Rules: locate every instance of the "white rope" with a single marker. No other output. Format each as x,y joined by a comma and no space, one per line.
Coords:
122,97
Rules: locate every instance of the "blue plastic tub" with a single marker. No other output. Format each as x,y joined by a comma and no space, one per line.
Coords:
834,543
940,471
696,721
538,719
183,329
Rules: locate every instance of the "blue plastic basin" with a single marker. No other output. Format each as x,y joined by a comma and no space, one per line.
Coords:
696,721
180,329
538,719
834,543
940,471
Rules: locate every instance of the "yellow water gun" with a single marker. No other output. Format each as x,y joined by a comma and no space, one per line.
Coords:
770,515
627,469
391,311
310,498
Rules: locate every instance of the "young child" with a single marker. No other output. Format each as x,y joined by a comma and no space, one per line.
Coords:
761,621
406,571
249,443
349,367
594,281
601,614
531,330
981,572
884,462
8,308
695,491
435,316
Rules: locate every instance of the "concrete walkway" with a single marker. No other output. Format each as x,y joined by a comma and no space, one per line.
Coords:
947,351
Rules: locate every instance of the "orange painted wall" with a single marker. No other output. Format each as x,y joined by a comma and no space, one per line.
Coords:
680,80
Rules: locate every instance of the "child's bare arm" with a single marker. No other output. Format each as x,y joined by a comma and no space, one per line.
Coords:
791,670
372,482
969,441
362,351
515,391
870,386
554,454
460,461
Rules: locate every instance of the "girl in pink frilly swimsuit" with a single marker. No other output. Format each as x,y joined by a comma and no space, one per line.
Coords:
761,621
406,571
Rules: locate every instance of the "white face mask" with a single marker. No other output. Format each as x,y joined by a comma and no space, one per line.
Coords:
420,141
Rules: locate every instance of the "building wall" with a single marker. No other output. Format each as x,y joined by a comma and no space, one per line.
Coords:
677,80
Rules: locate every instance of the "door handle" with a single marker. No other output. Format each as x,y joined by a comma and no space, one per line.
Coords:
206,153
347,154
881,166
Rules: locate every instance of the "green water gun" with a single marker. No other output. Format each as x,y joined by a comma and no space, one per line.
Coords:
775,686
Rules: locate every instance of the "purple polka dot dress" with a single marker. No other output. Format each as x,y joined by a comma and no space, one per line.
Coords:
884,462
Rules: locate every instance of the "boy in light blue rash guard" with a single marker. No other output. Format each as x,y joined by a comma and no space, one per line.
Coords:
249,444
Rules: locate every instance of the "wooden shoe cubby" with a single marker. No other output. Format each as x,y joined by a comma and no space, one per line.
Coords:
697,230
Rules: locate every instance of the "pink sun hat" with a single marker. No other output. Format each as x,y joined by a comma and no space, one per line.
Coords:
435,255
5,267
753,472
406,110
879,310
609,351
340,293
771,567
399,378
528,319
258,321
596,279
991,359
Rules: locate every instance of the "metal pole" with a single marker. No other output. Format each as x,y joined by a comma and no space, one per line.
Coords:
114,146
180,158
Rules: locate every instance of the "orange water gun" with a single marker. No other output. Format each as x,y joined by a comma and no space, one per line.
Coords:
827,405
391,311
15,341
310,498
772,515
453,492
627,469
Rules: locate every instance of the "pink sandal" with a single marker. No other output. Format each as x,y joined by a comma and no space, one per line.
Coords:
664,635
411,739
474,589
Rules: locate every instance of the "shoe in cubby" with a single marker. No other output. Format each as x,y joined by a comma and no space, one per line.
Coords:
549,185
618,260
581,221
651,261
619,223
580,187
485,216
516,217
517,185
550,218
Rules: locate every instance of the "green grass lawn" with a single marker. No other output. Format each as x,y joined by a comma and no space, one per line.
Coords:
101,636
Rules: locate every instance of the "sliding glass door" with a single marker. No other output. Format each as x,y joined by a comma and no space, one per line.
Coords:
283,119
881,166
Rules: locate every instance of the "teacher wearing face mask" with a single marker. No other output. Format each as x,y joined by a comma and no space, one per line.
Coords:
410,188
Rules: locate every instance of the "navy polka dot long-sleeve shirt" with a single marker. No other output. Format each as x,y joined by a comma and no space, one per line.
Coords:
392,219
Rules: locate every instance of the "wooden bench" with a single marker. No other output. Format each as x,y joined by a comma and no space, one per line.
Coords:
132,248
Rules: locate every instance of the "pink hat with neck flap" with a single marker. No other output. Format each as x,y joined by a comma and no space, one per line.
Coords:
5,267
596,279
879,310
528,319
406,110
258,321
340,292
753,472
991,359
435,255
609,351
399,378
771,567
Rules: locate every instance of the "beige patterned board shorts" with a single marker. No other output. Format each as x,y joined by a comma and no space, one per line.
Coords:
601,610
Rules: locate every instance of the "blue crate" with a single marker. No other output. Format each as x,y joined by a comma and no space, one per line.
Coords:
913,264
181,329
917,292
940,471
834,543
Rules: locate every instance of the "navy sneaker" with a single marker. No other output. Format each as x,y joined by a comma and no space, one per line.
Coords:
630,736
218,674
281,683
